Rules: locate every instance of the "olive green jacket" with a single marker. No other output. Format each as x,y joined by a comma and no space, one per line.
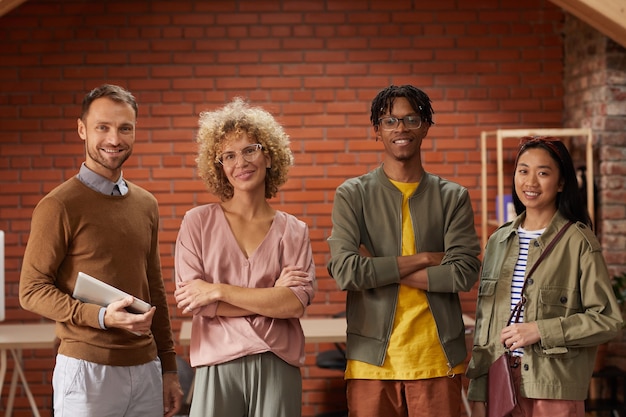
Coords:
368,210
570,298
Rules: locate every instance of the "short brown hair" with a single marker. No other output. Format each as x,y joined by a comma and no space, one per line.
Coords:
110,91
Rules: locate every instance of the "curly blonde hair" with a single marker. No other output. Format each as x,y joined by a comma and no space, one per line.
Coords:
260,126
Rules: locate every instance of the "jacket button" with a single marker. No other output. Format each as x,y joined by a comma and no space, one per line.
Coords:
530,281
536,244
526,367
563,300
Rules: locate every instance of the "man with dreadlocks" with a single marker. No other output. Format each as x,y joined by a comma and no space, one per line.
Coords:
403,245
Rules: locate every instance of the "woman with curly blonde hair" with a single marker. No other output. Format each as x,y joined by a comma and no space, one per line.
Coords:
238,116
244,271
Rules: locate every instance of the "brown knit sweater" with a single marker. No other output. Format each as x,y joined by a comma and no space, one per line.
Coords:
113,238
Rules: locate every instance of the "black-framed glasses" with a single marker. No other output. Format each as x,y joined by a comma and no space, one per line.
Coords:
248,153
412,121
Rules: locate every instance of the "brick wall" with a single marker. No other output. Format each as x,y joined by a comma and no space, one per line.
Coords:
315,65
595,84
595,80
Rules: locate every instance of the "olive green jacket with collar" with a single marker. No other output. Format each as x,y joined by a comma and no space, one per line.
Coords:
570,298
367,210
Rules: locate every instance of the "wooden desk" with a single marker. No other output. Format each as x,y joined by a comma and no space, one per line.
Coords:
324,330
14,338
315,330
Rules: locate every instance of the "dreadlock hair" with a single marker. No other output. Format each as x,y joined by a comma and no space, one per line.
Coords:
419,100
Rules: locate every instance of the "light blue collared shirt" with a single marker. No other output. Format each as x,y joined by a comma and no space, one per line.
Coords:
98,183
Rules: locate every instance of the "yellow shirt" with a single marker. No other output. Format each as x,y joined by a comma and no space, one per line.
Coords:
414,350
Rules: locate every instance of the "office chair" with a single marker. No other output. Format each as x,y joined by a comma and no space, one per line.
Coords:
333,359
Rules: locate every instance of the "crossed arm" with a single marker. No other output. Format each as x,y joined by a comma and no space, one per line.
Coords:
234,301
412,268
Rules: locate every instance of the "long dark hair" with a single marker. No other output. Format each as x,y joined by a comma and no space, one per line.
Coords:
569,201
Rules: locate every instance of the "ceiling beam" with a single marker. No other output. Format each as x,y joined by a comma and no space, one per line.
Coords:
606,16
7,5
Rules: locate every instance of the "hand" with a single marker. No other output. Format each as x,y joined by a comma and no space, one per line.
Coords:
197,293
172,394
518,335
292,276
426,259
364,252
410,264
479,408
116,316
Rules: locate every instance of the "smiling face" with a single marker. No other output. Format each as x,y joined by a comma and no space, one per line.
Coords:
402,144
108,129
538,181
244,174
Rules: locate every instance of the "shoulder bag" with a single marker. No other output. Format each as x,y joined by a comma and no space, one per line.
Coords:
501,398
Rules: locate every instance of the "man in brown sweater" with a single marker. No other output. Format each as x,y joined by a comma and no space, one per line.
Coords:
110,361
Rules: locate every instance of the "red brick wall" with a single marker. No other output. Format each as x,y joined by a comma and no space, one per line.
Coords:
595,80
315,65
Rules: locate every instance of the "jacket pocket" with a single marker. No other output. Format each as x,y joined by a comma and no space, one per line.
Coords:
484,311
558,302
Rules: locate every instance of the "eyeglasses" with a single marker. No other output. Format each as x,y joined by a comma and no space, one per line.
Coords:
249,154
412,121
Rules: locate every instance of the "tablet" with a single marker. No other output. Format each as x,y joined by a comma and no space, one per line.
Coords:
91,290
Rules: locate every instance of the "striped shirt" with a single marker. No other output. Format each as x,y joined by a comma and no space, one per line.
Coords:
525,236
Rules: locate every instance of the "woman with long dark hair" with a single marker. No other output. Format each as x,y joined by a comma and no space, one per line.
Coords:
567,307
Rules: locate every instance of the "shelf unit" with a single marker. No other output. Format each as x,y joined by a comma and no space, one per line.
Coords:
502,134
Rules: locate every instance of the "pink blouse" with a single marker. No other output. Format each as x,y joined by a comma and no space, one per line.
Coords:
206,249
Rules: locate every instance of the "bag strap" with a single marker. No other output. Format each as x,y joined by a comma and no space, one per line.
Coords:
517,310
